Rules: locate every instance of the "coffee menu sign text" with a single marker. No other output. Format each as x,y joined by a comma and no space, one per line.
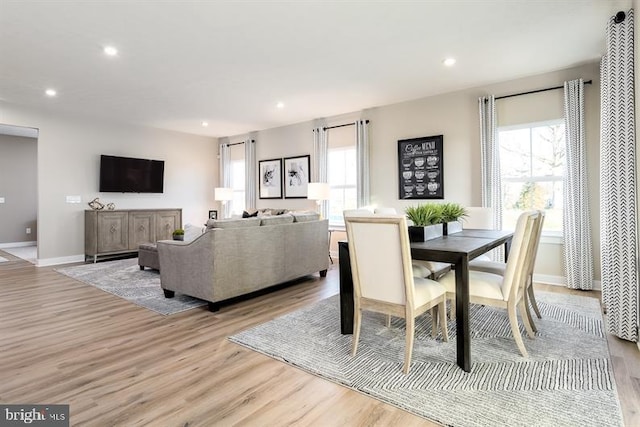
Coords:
420,168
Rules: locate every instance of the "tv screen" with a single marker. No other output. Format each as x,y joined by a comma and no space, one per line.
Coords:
129,175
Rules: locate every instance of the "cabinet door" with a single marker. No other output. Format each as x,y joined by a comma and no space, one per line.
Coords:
113,232
166,222
142,228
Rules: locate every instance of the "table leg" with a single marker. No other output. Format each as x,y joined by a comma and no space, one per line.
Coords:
346,289
463,331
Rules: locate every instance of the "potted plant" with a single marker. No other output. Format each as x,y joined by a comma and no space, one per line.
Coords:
178,234
427,221
452,213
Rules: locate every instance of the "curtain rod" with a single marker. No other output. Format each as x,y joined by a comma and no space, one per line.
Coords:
340,126
238,143
536,91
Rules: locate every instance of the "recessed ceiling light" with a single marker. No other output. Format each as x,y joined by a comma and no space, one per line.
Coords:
205,124
449,62
110,51
280,105
51,92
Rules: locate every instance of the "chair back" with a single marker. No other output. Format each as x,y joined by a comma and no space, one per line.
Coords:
517,268
385,211
478,217
535,241
380,258
356,212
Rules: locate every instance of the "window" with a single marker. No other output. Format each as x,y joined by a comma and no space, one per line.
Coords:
342,178
532,164
237,184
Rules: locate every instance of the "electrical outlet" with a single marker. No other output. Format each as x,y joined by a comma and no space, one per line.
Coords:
28,230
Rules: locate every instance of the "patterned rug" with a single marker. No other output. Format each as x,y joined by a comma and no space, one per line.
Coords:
125,279
566,381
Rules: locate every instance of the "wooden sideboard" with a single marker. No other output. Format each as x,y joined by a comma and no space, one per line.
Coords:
122,231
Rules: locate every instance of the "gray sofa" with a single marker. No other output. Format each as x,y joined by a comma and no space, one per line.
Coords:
241,256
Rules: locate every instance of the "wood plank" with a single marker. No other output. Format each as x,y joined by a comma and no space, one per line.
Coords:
118,364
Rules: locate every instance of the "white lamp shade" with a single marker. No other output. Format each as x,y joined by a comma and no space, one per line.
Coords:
318,191
223,193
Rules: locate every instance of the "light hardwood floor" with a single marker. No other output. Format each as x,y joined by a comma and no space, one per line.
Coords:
116,364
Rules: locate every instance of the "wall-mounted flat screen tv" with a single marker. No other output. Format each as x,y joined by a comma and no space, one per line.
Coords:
129,175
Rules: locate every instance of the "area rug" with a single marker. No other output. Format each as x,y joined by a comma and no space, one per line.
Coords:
125,279
567,380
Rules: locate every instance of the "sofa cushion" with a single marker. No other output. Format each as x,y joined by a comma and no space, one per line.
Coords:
274,220
305,217
233,223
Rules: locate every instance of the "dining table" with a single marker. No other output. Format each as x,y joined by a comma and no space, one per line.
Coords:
456,249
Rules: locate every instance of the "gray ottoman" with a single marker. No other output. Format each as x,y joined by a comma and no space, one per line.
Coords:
148,256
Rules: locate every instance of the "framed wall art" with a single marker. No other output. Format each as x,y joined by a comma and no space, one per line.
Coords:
420,173
213,214
270,178
296,177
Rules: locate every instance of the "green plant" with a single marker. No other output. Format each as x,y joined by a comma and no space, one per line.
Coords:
453,212
178,232
425,214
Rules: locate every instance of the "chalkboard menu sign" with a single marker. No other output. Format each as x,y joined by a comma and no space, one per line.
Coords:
420,168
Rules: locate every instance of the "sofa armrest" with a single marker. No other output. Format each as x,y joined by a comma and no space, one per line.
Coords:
187,267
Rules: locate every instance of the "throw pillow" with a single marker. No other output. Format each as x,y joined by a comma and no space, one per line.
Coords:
246,214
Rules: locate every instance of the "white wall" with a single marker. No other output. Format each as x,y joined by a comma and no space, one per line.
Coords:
69,149
454,115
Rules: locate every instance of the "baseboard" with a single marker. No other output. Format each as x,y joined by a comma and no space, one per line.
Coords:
60,260
548,279
17,244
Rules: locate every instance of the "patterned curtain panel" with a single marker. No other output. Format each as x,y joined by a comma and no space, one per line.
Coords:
250,166
578,253
618,194
362,153
490,164
320,163
225,175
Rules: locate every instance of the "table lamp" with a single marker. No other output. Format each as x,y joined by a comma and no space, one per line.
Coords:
223,195
318,191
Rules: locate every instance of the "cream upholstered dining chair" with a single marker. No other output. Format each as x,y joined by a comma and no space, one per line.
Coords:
421,268
480,218
383,281
500,267
506,291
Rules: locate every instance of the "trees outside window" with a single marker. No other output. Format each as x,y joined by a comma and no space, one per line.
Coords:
532,163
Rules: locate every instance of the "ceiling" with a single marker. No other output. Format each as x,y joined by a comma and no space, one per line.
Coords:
229,63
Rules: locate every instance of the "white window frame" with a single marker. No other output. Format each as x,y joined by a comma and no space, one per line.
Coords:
549,236
340,223
237,189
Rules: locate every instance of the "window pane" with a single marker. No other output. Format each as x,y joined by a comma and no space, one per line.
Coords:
548,150
342,181
532,162
515,153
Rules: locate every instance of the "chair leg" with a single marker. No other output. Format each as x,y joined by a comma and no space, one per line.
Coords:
528,312
452,308
434,321
515,330
532,298
442,311
357,320
408,349
388,320
526,318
